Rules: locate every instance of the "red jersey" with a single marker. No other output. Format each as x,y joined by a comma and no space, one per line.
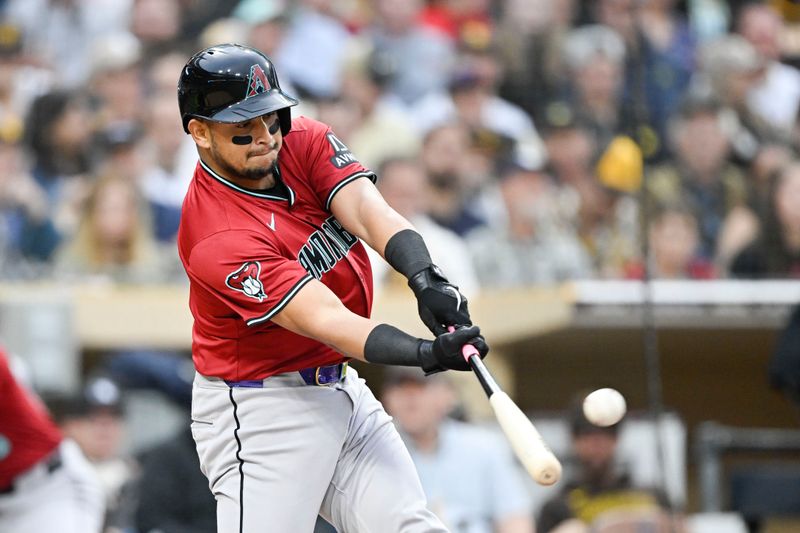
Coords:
247,253
27,433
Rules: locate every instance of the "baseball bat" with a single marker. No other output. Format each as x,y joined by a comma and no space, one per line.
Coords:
527,443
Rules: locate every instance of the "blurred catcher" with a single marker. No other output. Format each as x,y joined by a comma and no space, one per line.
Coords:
46,484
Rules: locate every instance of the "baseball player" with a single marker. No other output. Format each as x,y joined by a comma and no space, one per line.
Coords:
46,484
281,292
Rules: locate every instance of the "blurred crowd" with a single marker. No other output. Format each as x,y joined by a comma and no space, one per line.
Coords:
531,141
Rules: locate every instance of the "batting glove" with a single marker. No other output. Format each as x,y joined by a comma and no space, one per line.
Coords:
439,302
444,353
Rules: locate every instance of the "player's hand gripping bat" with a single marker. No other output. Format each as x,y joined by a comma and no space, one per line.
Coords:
526,441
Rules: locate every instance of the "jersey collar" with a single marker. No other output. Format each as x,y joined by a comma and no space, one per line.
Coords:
250,192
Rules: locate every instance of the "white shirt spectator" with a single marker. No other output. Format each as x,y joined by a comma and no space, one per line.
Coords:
451,488
497,115
422,60
312,53
777,98
448,251
65,31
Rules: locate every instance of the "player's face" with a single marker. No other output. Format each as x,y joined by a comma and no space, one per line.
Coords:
246,150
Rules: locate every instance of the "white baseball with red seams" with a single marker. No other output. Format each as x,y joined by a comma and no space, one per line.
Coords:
604,407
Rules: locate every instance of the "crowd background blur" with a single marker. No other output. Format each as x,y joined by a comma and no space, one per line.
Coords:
532,142
515,115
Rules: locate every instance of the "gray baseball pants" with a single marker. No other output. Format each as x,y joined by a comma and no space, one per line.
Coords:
277,456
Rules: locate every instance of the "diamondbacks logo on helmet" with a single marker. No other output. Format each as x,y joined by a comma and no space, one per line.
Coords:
257,81
246,280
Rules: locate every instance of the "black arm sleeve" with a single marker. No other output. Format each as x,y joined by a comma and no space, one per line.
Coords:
407,253
387,345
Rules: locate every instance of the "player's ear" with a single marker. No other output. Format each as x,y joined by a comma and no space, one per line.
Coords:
200,133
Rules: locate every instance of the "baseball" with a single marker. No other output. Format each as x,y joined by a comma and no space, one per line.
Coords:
604,407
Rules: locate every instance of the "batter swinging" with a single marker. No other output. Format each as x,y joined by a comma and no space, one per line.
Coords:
281,296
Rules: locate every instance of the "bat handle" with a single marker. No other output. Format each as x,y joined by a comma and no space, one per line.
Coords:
467,350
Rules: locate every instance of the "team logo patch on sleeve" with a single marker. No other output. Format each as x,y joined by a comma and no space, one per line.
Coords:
246,280
341,153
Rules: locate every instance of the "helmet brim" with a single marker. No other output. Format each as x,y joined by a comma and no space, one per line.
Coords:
253,107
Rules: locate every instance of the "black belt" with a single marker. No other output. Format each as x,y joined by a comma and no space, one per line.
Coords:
51,464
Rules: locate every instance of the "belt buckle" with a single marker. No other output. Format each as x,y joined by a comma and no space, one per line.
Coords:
342,368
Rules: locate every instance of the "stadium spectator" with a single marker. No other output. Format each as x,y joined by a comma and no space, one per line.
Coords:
196,15
702,175
384,129
674,241
267,24
115,84
170,156
404,185
422,59
159,73
28,235
20,81
776,251
118,150
114,242
535,246
341,113
662,64
467,22
733,68
605,219
530,38
158,24
619,15
472,98
313,49
595,57
57,137
58,35
597,489
487,497
163,180
447,155
776,97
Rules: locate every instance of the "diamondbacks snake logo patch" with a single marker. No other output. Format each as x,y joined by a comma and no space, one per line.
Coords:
257,81
246,280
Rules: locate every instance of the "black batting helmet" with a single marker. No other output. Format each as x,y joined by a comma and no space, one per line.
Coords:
231,83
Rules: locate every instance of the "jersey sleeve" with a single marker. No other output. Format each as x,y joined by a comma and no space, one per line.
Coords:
332,165
247,273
